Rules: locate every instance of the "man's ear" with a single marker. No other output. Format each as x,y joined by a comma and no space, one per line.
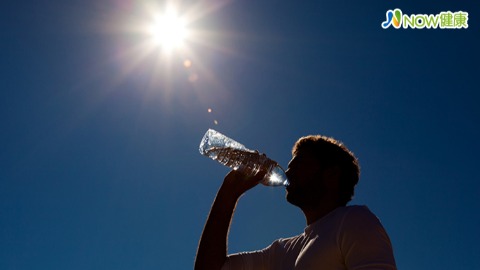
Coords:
332,175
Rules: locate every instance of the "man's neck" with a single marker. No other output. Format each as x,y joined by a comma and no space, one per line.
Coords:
316,213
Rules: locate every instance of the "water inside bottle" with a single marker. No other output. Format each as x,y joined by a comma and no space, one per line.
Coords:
234,158
251,162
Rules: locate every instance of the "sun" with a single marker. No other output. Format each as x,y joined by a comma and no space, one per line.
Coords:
169,30
158,39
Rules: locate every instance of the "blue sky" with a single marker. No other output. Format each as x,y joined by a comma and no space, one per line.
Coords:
99,146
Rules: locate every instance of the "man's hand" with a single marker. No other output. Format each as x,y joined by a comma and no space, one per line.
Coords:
236,183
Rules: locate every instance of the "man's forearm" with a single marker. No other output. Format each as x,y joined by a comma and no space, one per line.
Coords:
212,250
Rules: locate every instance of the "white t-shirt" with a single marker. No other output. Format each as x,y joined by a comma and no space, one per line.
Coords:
349,237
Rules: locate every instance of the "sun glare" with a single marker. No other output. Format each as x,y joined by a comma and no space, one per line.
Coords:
166,46
158,39
169,31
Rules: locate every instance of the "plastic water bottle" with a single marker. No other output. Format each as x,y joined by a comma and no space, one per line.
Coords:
236,156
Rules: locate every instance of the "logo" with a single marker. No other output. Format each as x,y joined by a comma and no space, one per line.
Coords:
393,17
443,20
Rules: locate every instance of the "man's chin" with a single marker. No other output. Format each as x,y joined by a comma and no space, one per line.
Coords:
291,198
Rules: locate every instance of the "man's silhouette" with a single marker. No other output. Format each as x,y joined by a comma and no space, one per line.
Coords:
322,176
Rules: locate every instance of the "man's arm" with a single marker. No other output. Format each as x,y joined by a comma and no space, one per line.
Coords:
212,250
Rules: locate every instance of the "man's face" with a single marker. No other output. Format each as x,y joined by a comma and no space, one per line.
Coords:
306,185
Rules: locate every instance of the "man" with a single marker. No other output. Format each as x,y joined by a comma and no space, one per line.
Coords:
322,176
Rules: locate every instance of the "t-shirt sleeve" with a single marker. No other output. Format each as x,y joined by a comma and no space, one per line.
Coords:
364,242
254,260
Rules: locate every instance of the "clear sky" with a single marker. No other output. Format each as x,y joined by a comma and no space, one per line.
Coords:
99,161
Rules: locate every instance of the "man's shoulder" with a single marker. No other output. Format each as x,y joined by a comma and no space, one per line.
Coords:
359,218
358,211
288,243
348,212
289,240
